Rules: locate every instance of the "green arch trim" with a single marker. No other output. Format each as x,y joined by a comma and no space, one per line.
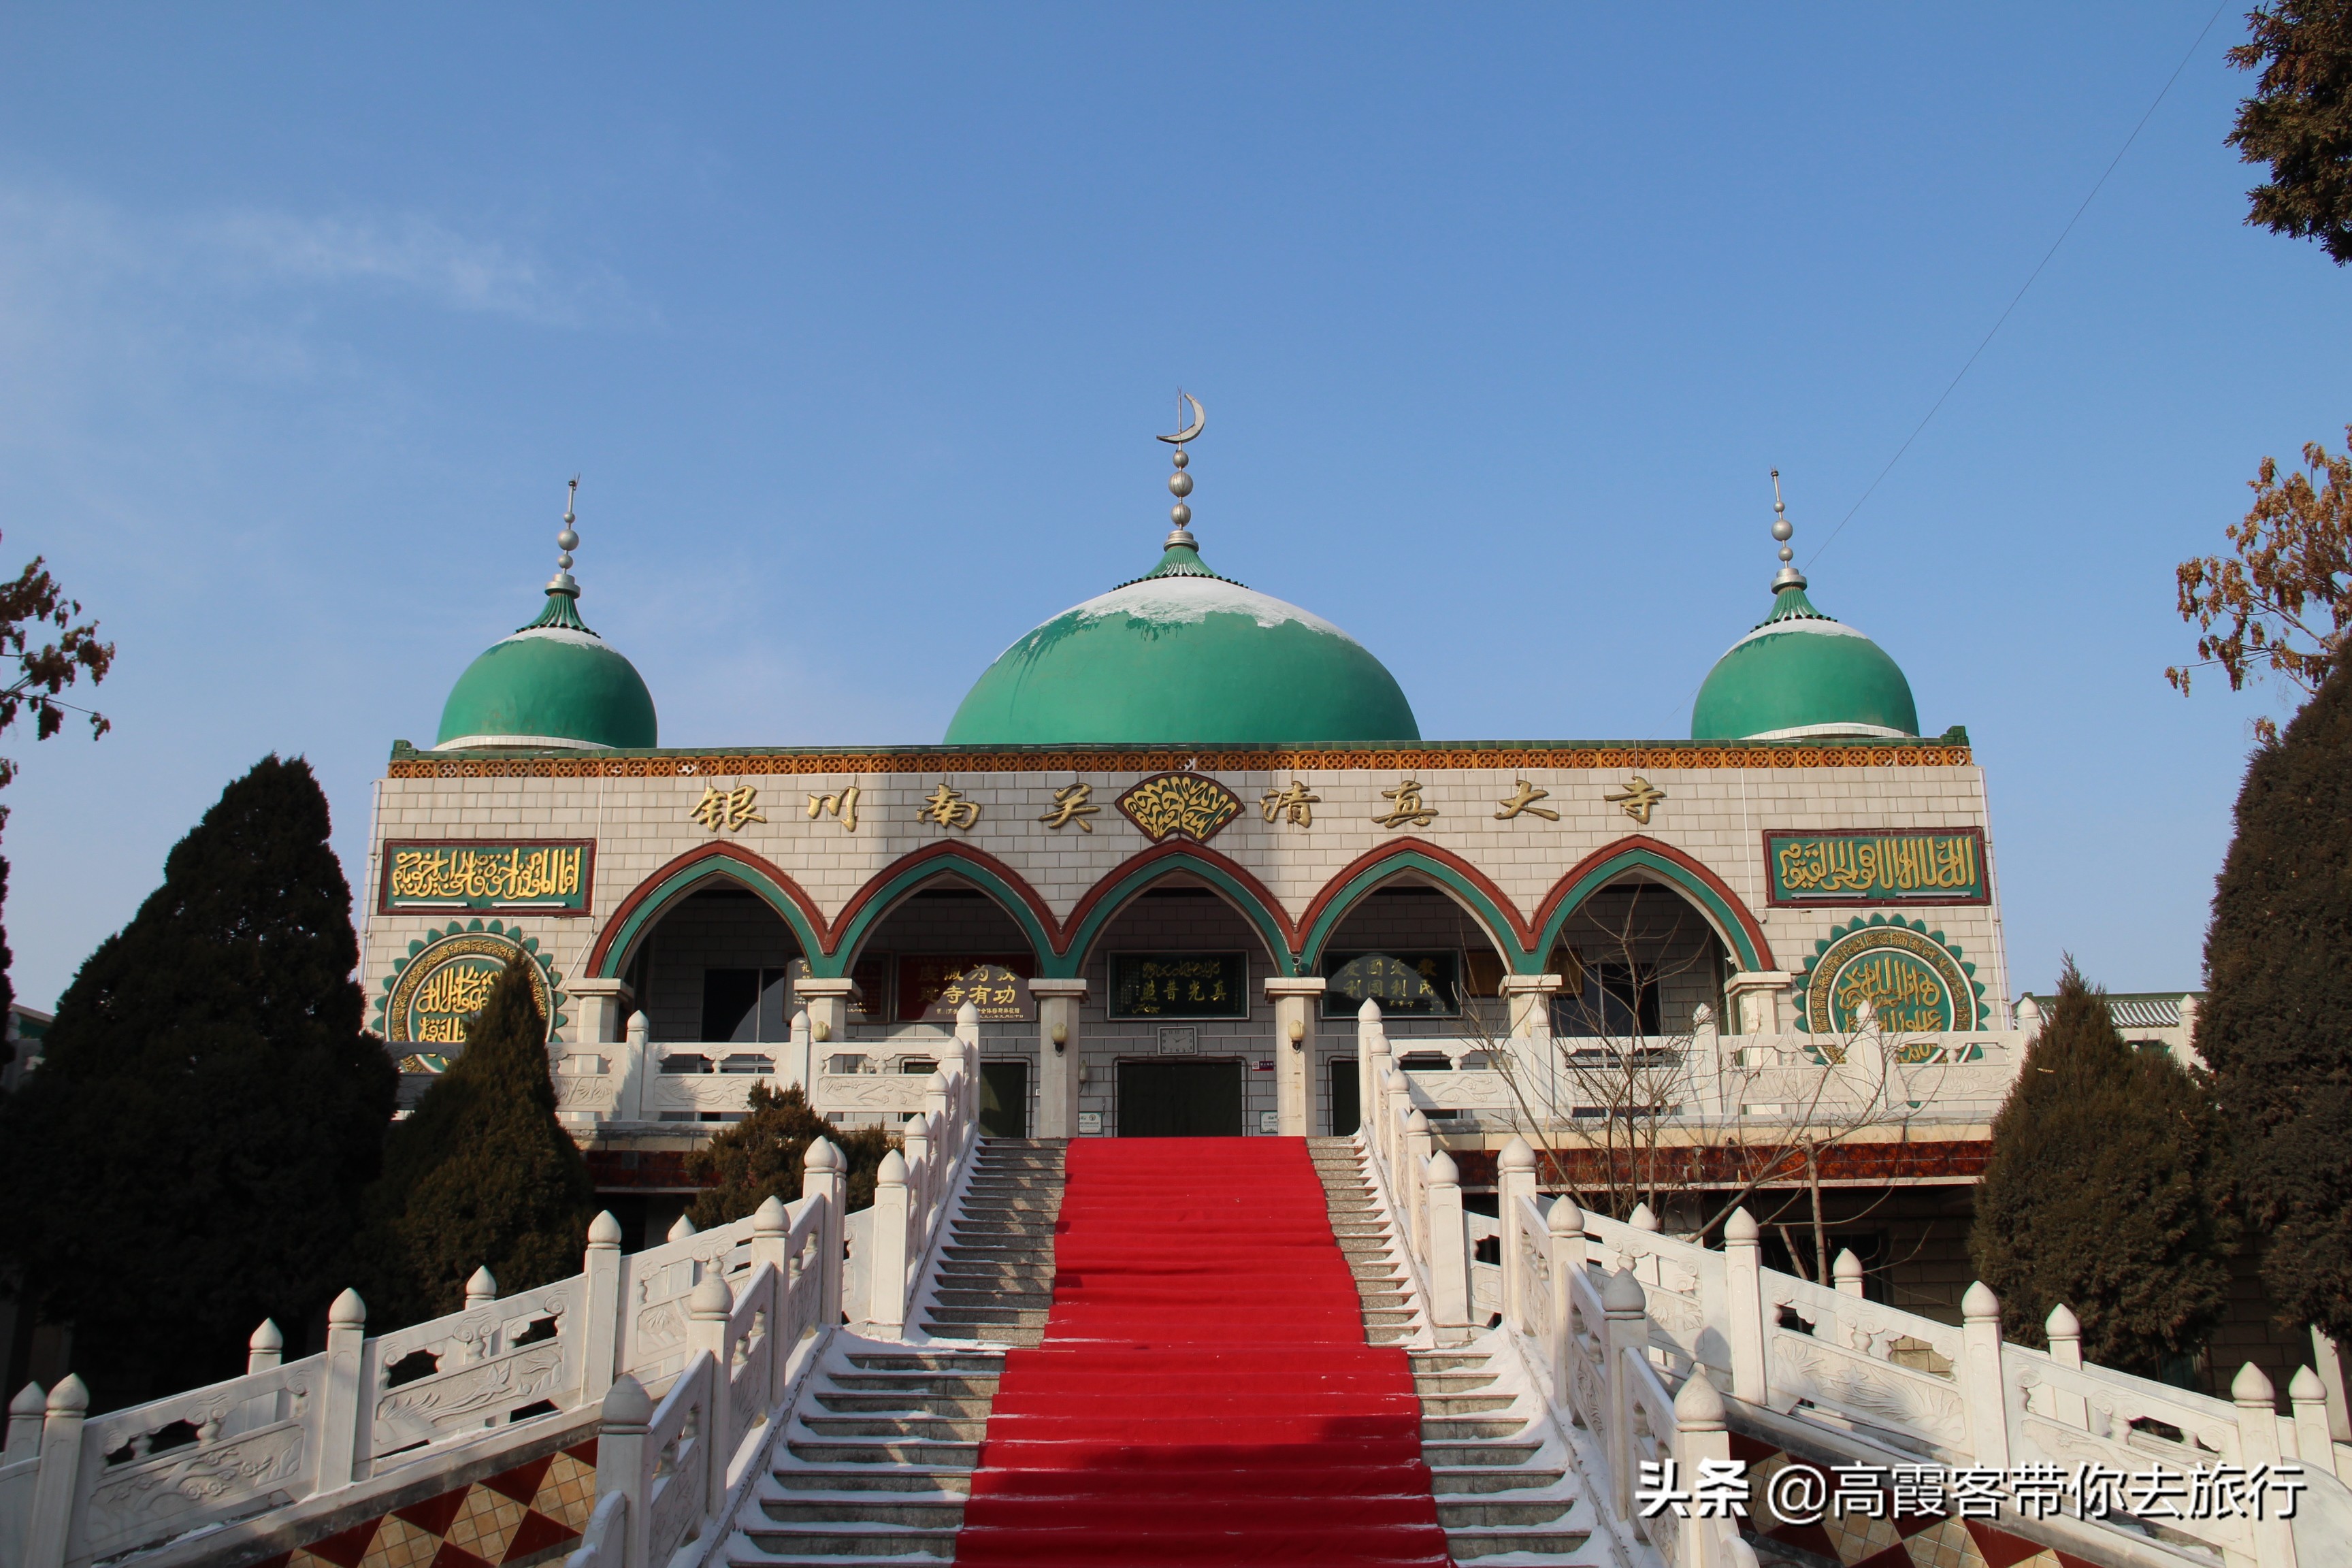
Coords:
1487,903
1719,903
1107,896
879,897
655,897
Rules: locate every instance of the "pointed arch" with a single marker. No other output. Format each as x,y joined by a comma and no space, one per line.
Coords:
1722,908
1469,887
1004,886
1252,899
716,861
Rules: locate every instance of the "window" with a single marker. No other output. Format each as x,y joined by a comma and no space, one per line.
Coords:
1618,1000
746,1005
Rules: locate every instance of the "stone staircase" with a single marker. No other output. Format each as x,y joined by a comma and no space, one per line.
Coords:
994,1279
1392,1315
1503,1484
878,1461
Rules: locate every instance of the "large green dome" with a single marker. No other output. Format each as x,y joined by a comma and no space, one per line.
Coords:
1801,674
1178,657
553,683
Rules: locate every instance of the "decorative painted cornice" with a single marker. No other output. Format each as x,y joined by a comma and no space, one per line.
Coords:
1949,750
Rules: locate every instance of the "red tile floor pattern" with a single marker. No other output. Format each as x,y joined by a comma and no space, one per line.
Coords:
1890,1542
513,1517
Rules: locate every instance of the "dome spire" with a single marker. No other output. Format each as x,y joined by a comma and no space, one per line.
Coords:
1789,576
1180,483
562,608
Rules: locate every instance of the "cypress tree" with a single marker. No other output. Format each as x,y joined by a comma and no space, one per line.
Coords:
190,1156
755,1158
2105,1190
481,1175
2276,1028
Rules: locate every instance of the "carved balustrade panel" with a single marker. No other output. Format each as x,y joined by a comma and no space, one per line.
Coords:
1913,1410
210,1455
655,1284
871,1093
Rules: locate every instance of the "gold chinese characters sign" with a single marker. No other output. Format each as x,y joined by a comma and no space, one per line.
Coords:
553,878
1887,867
434,991
1179,805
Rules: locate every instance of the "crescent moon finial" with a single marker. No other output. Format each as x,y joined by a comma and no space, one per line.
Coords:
1193,430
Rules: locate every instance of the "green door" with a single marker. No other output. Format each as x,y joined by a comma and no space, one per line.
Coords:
1180,1100
1004,1098
1346,1114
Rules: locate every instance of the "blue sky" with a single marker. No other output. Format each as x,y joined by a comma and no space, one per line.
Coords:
858,322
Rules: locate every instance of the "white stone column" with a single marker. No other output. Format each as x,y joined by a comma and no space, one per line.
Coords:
828,1002
1754,996
601,1009
1058,1048
1530,998
1295,999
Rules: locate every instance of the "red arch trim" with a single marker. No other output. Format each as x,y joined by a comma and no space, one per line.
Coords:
1521,932
713,851
1699,873
1133,863
905,863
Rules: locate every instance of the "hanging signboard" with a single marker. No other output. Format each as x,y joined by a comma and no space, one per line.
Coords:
1405,984
1179,985
933,985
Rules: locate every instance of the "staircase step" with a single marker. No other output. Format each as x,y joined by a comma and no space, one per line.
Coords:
896,1451
1499,1514
1488,1479
932,1428
803,1479
906,1514
904,1404
833,1545
1455,1455
1470,1546
1459,1429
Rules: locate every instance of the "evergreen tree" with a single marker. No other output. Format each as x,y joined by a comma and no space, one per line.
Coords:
481,1175
189,1158
2276,1028
2105,1190
760,1157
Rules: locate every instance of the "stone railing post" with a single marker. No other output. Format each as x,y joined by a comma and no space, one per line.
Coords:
2258,1444
1514,1186
1846,1273
25,1413
915,1138
826,1174
1983,1389
801,1063
1702,1433
342,1407
1565,1223
1449,1244
1059,1005
621,1460
2312,1446
886,1303
937,1095
636,1061
266,1348
2065,1332
826,1001
1625,1306
707,1308
599,1308
1743,1291
1371,1071
1415,1172
58,1477
681,1228
967,1100
771,1230
481,1288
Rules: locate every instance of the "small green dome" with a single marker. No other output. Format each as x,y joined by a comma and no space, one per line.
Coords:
1801,674
1183,656
554,683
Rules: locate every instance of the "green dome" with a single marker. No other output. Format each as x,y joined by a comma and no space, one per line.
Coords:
1183,656
553,683
1801,674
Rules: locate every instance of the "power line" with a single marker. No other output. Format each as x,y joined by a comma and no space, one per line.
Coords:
2054,244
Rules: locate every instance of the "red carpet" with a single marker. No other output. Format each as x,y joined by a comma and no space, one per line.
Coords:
1204,1394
